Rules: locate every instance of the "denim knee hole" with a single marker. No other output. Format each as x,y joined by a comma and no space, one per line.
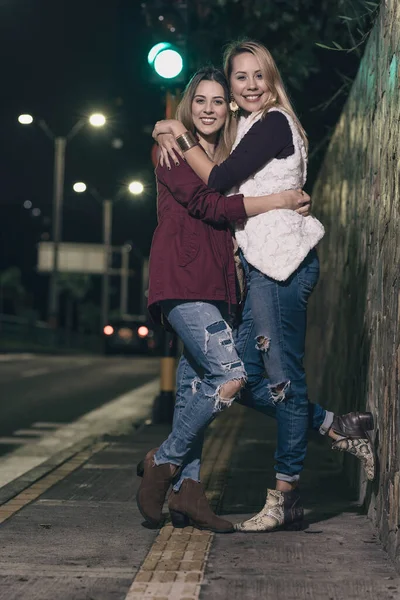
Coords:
220,403
263,343
278,391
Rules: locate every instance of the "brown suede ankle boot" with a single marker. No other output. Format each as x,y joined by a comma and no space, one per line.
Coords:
153,489
189,506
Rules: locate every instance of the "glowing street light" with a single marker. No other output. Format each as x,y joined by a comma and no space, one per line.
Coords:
97,120
25,119
136,188
79,187
60,143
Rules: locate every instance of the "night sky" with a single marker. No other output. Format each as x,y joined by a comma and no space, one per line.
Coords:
62,60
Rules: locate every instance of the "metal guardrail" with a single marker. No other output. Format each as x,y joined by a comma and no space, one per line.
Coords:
18,333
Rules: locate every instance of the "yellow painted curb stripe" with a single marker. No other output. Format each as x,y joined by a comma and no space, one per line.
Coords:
175,565
9,508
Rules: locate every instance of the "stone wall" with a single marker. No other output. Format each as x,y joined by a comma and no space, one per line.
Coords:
353,357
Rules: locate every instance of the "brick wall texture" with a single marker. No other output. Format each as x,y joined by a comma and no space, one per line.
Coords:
353,356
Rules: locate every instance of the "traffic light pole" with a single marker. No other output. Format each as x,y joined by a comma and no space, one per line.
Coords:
164,403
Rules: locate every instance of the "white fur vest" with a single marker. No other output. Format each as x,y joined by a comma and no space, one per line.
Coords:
278,241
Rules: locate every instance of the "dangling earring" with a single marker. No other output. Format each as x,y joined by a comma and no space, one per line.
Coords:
233,107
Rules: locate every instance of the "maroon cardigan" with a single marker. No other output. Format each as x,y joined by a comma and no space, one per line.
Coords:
191,255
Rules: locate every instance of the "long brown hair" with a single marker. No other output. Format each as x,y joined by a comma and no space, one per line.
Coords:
278,96
184,110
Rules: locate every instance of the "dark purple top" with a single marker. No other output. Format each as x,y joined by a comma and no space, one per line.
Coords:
270,137
191,254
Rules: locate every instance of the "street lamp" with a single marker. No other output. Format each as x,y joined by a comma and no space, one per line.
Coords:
25,119
97,120
80,187
60,142
136,188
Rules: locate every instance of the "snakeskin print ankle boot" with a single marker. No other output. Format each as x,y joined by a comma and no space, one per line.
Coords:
282,510
353,430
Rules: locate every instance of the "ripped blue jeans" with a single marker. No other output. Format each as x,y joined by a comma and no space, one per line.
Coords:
280,314
271,339
209,361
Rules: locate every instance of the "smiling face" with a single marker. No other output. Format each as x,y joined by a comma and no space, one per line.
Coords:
209,108
248,85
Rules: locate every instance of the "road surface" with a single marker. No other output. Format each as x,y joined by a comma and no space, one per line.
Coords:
38,393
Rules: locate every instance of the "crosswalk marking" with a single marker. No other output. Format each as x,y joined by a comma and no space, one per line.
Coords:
46,425
12,357
21,437
29,432
35,372
14,441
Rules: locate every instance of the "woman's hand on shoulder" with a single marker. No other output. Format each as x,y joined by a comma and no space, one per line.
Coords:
169,150
164,133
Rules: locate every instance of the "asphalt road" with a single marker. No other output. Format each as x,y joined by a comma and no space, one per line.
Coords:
38,393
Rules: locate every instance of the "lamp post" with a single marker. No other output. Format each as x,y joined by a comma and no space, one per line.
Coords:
60,143
135,188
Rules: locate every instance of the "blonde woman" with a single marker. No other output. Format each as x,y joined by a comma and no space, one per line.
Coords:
192,287
270,155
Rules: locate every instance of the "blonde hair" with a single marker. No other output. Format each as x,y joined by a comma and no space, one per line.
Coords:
183,113
278,96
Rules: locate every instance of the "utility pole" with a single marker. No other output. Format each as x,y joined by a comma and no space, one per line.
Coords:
58,198
107,225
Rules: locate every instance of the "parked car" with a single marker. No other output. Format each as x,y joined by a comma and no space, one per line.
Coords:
133,334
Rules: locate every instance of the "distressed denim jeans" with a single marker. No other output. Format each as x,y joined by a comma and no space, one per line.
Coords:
270,339
209,360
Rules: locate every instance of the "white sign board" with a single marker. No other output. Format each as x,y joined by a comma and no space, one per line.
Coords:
72,258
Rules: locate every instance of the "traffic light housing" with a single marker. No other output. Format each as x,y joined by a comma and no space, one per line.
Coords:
167,23
166,60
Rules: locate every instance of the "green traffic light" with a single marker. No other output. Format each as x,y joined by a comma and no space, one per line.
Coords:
166,60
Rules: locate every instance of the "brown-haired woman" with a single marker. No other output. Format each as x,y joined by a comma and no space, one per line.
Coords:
193,288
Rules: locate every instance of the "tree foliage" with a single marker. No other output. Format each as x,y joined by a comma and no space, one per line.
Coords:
317,45
291,29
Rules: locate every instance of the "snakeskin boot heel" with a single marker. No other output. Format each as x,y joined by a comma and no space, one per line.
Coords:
282,510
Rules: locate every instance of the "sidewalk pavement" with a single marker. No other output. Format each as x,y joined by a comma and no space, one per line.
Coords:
76,534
